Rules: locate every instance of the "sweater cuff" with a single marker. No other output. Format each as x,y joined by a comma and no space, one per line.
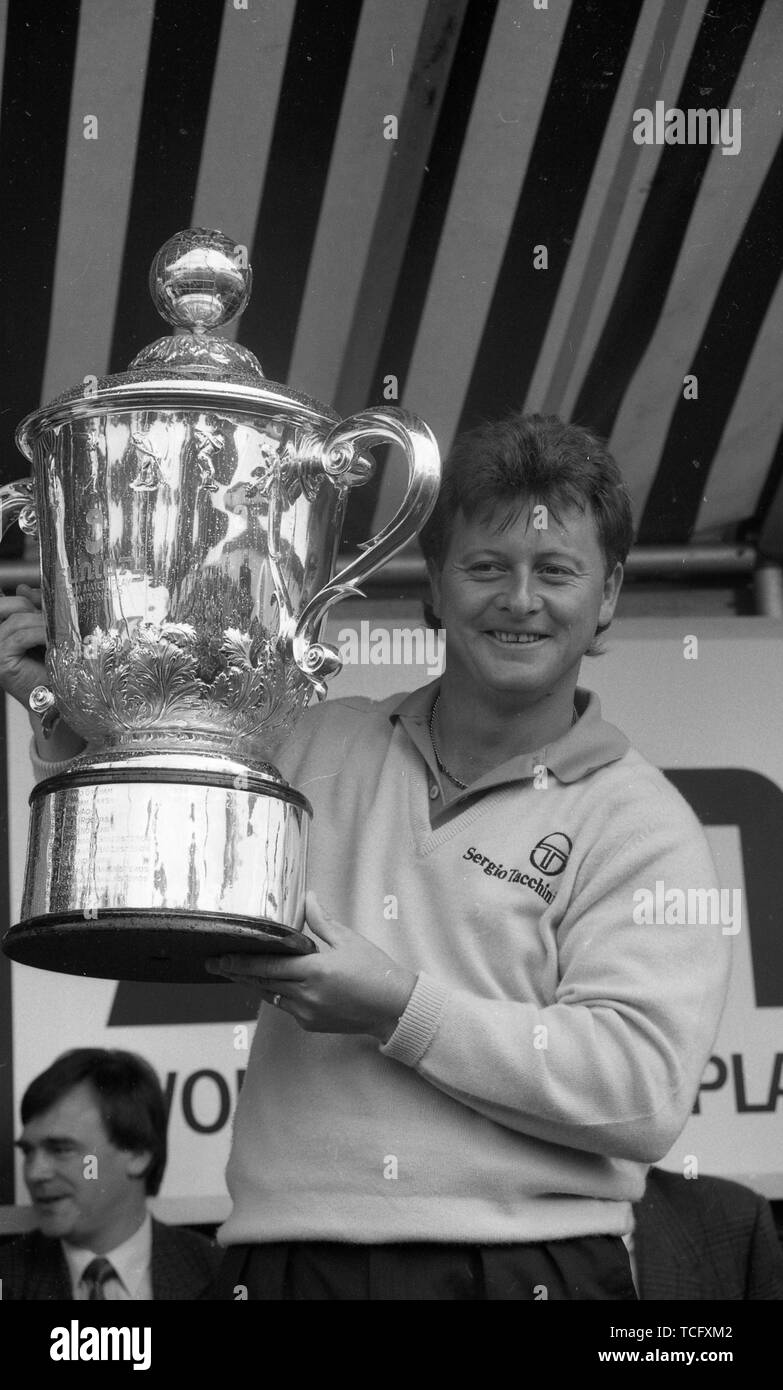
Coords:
43,769
418,1023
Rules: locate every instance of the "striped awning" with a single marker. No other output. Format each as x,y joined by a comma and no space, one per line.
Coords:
504,241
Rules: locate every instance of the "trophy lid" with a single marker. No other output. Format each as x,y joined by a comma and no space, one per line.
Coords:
199,280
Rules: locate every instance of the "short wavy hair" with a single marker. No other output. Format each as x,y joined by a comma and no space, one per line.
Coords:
530,460
127,1093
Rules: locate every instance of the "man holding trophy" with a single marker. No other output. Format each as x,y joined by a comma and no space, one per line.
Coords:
458,1092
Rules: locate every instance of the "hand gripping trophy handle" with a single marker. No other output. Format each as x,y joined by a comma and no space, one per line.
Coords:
369,428
17,503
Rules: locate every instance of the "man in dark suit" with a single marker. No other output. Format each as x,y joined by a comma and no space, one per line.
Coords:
705,1239
94,1146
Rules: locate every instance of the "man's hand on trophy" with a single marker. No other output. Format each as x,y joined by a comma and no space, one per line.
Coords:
22,640
22,646
348,986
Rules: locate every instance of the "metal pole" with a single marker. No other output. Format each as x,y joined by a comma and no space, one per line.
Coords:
768,588
409,569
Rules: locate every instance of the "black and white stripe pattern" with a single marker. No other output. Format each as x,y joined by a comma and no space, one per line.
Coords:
414,257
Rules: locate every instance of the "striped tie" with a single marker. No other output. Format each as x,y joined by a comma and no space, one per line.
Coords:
95,1275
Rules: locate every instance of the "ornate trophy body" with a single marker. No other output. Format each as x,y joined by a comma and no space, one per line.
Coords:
189,514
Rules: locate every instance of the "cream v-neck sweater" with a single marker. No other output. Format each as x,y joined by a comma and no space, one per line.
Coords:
551,1049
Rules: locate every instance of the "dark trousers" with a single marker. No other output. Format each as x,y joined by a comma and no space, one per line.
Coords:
590,1267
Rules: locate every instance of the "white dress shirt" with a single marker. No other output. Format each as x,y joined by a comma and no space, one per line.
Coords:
132,1262
630,1245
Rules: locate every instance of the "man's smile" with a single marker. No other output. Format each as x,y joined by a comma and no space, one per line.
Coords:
517,639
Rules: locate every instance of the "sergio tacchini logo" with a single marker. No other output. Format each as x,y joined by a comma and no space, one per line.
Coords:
550,855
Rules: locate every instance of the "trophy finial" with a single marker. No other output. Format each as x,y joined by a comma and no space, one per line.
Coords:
200,279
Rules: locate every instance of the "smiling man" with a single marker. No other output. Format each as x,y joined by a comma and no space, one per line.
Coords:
523,586
458,1097
94,1148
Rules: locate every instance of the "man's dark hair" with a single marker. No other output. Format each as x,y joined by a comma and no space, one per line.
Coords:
127,1093
531,459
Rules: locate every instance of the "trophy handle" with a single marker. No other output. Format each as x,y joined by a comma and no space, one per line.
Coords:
319,660
17,502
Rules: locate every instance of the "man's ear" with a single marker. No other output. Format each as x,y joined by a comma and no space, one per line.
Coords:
137,1162
612,586
433,574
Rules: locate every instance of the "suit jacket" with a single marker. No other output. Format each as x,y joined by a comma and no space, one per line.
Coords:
183,1266
705,1239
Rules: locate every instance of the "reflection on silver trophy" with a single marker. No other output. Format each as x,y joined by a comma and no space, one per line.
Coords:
189,514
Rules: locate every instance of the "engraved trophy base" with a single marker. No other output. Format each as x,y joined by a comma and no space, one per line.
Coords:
144,867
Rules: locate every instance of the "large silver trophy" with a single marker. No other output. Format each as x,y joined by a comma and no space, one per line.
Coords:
189,514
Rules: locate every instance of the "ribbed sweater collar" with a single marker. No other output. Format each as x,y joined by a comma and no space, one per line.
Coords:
589,744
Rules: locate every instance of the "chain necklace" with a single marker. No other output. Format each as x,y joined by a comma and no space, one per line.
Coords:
463,786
